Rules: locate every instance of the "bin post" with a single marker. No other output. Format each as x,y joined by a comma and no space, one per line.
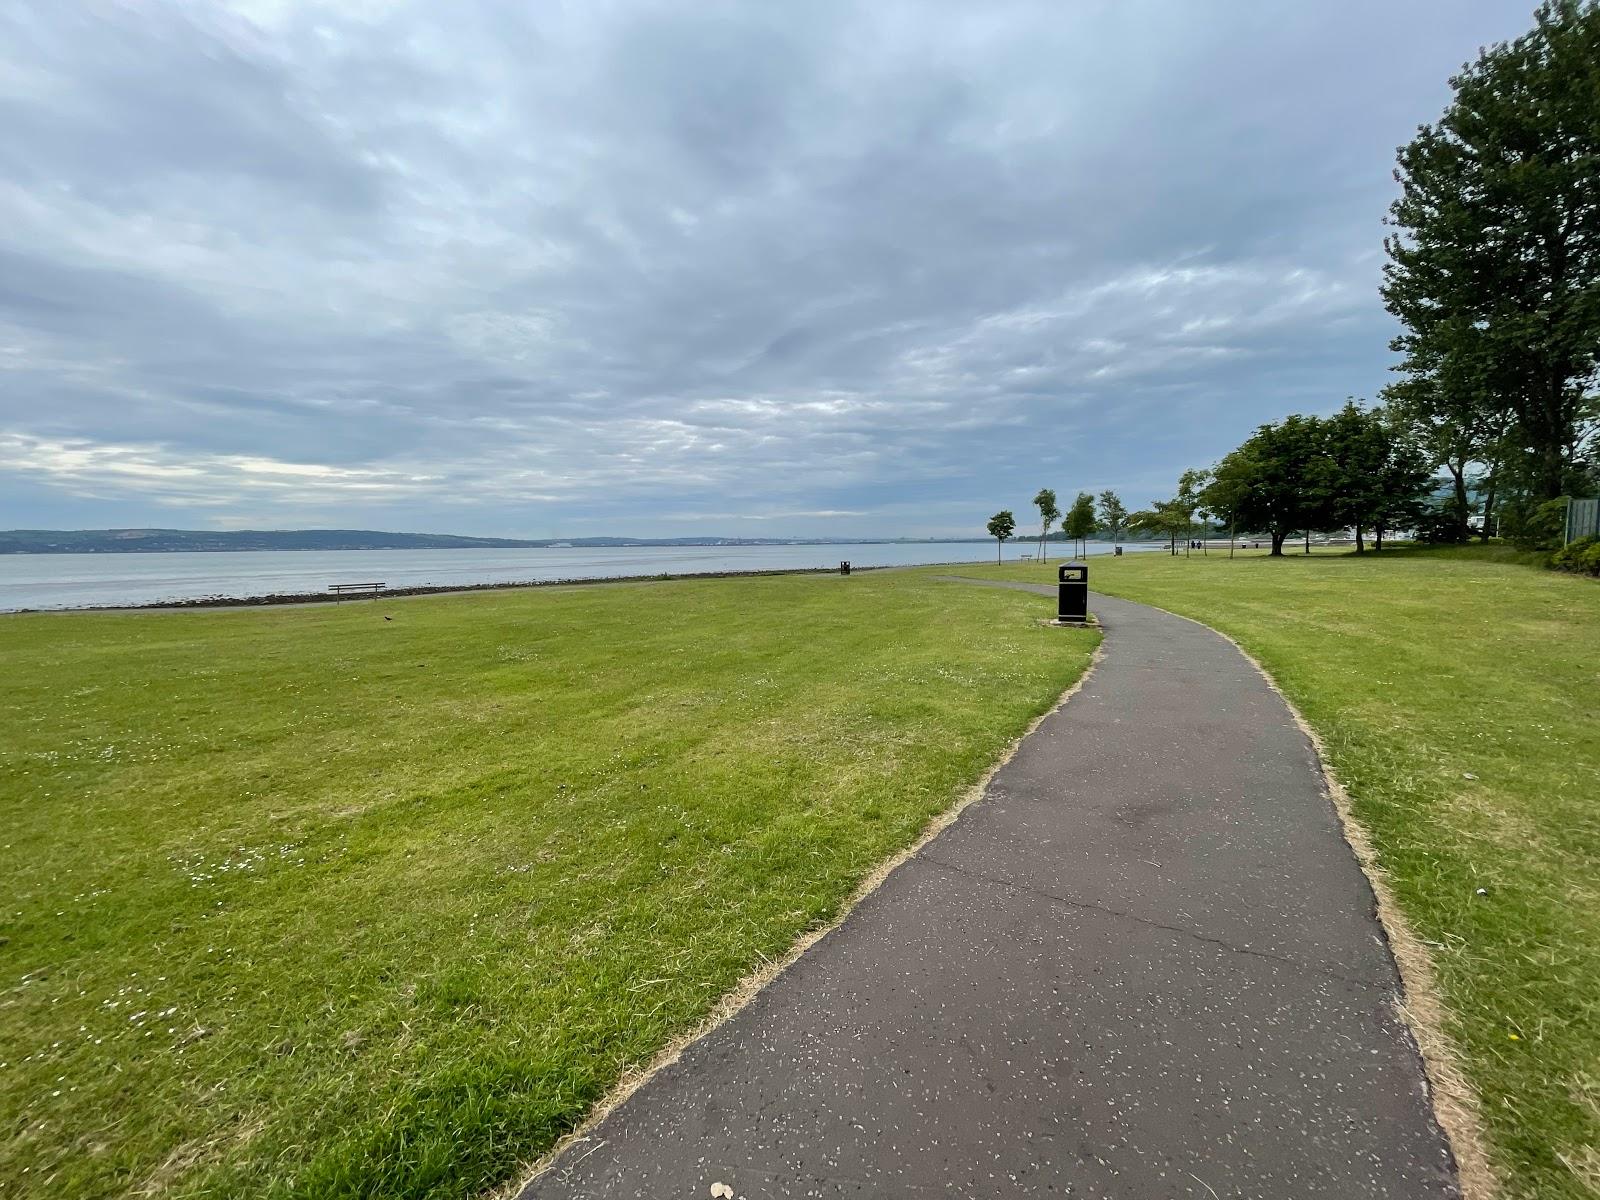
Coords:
1072,594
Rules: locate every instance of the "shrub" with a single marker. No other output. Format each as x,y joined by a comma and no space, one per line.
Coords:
1581,556
1533,524
1438,525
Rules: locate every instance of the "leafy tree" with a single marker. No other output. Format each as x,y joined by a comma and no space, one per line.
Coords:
1356,447
1406,494
1278,479
1001,526
1437,525
1112,514
1166,518
1380,477
1495,270
1045,502
1190,485
1522,514
1456,424
1226,488
1489,483
1360,468
1080,521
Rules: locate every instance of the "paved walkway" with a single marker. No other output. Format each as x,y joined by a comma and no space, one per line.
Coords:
1144,965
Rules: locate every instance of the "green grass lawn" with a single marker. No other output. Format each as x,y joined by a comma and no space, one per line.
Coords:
304,902
1458,694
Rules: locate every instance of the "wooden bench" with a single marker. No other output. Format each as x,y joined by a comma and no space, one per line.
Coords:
341,590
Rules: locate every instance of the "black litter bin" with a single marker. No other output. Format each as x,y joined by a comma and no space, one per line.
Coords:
1072,593
844,567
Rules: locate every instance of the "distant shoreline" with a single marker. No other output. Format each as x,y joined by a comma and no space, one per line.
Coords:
192,541
121,592
295,599
87,551
35,542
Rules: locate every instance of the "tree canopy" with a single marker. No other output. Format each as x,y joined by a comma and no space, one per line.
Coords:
1165,518
1494,270
1274,473
1001,526
1045,502
1080,522
1359,469
1113,515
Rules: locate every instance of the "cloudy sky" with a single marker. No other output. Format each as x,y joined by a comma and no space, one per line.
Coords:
579,267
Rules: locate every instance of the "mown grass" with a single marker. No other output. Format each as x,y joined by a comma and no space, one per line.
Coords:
307,902
1458,693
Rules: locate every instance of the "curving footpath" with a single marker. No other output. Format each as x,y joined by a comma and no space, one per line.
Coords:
1144,965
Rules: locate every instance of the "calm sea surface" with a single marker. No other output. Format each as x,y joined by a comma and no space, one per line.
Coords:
77,580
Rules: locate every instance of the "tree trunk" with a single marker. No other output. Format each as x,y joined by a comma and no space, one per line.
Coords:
1233,528
1377,531
1308,541
1277,543
998,542
1552,466
1361,546
1488,504
1458,476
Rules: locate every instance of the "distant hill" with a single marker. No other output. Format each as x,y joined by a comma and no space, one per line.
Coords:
120,541
135,541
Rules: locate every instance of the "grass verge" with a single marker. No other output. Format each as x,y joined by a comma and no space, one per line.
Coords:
1456,693
309,902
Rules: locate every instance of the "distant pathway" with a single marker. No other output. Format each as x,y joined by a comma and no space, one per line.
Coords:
1144,965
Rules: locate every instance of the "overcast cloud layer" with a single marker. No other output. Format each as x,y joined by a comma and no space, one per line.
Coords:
760,268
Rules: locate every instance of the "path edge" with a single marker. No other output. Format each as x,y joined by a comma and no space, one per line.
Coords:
739,997
1455,1102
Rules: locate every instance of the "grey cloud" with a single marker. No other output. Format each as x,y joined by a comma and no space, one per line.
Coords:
496,267
125,106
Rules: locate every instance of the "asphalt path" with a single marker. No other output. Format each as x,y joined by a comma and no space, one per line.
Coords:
1144,964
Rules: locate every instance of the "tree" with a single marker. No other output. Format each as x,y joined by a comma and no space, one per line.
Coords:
1080,520
1045,502
1379,476
1112,514
1167,518
1190,484
1358,447
1227,488
1403,500
1001,526
1489,482
1456,423
1495,270
1520,511
1278,479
